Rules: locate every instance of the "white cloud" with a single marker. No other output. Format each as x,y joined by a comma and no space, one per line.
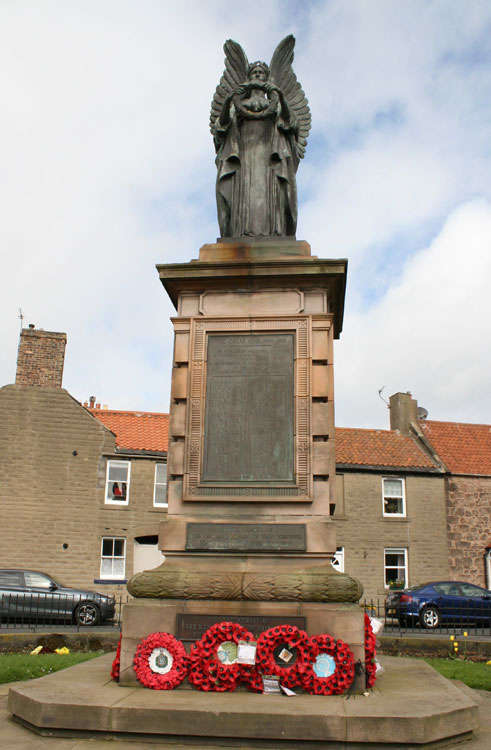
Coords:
108,169
427,334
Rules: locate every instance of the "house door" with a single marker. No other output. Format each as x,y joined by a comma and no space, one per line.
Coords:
146,554
488,569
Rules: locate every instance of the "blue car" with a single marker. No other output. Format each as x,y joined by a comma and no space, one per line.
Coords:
441,601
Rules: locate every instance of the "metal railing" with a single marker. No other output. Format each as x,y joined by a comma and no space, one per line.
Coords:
33,612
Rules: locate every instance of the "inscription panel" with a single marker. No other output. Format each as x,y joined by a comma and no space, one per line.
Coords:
249,413
193,627
246,537
194,489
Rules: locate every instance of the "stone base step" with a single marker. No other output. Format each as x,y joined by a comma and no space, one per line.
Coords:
410,706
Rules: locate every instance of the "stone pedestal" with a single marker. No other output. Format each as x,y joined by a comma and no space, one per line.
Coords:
251,461
189,619
259,298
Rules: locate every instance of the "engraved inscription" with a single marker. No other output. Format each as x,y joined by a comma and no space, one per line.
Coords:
249,414
193,627
250,537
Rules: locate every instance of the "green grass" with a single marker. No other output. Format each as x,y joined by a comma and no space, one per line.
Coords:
16,667
475,675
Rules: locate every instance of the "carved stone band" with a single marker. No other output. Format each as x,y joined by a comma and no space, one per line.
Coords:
316,584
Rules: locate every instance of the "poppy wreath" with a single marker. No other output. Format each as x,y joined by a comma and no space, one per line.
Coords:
370,643
207,670
178,667
290,637
115,664
344,671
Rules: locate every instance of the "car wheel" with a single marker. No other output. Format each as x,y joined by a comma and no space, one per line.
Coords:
87,613
429,617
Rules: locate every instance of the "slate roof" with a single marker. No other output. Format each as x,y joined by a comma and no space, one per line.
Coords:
464,448
379,448
136,430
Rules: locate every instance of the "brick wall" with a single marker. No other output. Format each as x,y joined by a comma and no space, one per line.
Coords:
468,526
365,532
52,489
40,358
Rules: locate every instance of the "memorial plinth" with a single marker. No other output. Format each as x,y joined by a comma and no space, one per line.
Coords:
251,458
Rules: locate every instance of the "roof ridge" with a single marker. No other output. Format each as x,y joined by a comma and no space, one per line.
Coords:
137,412
368,429
463,424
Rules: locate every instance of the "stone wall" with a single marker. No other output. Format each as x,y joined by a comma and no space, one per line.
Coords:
53,456
365,532
468,526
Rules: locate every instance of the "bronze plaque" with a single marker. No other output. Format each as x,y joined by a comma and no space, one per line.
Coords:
249,423
193,627
246,537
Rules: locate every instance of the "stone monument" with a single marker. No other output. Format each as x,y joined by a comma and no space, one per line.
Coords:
248,535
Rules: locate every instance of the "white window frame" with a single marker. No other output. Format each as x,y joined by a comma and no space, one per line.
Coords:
113,576
159,484
337,561
395,551
112,501
386,513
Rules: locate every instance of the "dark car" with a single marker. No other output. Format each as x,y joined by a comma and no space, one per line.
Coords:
30,595
440,601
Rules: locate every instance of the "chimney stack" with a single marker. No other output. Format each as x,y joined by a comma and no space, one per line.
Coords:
403,410
40,358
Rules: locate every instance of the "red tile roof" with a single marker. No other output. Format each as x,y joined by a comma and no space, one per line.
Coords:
379,448
464,448
136,430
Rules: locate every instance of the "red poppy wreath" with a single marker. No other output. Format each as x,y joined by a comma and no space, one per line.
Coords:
115,664
213,665
160,661
283,651
332,668
370,643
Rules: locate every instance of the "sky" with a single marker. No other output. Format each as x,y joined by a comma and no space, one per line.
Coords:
107,169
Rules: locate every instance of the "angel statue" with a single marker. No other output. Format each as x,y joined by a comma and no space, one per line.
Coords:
260,120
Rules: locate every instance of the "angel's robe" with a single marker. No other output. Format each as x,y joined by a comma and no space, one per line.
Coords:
256,186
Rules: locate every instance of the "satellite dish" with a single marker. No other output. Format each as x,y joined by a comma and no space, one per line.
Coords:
422,412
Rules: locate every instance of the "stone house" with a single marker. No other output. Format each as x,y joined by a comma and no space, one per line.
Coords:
82,490
463,451
389,510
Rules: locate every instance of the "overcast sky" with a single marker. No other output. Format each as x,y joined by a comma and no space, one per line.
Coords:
107,168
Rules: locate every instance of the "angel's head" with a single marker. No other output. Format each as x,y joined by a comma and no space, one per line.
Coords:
258,71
